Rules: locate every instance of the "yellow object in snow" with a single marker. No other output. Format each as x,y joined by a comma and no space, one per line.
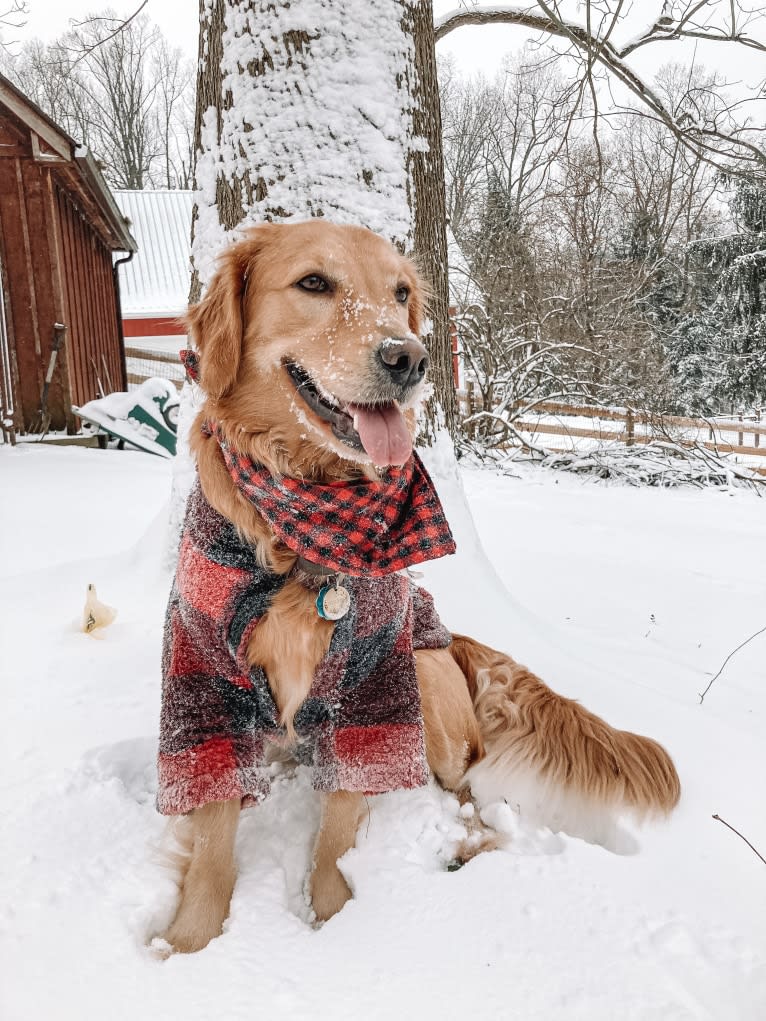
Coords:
96,614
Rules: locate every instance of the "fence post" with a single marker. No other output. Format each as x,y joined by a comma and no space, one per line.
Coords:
740,436
629,428
757,442
454,345
470,387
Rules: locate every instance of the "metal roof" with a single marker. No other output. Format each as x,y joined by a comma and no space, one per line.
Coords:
156,280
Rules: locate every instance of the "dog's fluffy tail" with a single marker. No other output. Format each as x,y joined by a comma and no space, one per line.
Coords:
553,761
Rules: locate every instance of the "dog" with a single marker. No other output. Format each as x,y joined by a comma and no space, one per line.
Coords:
309,355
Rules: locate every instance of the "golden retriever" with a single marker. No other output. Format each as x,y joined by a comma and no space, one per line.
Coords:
312,367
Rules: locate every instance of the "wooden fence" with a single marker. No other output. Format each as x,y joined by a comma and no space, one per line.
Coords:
631,426
725,435
144,363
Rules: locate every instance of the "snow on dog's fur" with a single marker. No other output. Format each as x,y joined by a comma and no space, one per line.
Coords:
312,367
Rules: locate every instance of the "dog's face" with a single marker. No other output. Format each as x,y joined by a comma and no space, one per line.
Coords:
310,331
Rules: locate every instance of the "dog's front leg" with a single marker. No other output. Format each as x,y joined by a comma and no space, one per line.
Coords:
208,878
341,813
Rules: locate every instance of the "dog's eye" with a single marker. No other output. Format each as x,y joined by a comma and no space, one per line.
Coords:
402,294
313,282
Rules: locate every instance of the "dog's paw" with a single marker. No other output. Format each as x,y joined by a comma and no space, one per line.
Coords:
184,939
199,920
329,892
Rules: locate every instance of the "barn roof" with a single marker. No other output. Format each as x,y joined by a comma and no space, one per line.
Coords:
156,281
72,163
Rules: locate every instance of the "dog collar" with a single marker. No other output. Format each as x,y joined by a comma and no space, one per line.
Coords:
314,570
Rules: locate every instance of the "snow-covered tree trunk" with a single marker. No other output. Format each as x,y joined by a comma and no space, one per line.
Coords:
323,108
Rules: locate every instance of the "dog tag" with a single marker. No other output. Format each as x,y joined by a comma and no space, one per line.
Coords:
333,601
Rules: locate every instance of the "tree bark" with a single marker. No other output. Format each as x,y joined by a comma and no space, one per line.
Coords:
295,119
209,97
428,202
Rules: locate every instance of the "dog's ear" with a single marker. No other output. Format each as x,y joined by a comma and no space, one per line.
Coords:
215,324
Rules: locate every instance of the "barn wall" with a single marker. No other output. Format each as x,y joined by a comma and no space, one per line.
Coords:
152,326
7,355
31,300
57,270
94,349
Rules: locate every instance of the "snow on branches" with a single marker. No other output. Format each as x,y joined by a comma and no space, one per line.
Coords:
725,138
310,123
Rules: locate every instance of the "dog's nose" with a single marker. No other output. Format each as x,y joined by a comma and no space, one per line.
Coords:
405,361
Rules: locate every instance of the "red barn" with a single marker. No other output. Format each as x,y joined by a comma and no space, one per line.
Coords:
59,228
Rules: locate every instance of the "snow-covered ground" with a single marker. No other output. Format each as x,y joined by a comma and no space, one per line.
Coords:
628,599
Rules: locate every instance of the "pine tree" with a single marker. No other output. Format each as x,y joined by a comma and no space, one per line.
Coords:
718,352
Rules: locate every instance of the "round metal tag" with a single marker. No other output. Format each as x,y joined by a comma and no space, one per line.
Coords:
333,602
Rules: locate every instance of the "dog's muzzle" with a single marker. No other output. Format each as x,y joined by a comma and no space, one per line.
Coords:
404,361
373,423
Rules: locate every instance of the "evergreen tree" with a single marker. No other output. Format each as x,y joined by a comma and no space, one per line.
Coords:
718,352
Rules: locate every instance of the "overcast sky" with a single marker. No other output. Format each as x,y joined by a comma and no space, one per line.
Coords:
475,49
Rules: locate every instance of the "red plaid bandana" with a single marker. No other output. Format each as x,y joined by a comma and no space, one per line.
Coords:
360,528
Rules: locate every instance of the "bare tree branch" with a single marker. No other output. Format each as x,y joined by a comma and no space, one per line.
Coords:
723,144
13,16
720,671
758,853
551,22
111,35
119,87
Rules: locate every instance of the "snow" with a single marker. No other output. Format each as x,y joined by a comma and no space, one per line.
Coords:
627,599
316,151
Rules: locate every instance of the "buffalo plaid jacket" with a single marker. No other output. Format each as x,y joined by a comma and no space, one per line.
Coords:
361,722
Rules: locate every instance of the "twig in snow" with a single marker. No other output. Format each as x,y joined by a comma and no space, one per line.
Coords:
741,837
743,644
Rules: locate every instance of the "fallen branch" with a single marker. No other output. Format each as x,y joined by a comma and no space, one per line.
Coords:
707,689
741,837
712,458
653,464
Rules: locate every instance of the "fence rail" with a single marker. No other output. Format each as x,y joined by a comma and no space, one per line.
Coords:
716,434
740,424
144,363
639,427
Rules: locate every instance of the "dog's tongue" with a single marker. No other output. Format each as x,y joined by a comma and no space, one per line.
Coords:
383,432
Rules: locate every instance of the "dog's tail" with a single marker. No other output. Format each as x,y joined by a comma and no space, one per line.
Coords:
554,761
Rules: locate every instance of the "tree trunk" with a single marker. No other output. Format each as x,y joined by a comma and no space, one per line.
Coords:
297,118
428,204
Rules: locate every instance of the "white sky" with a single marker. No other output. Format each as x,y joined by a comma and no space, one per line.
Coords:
475,48
178,19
